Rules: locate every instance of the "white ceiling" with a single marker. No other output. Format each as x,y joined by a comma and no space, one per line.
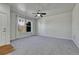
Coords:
49,8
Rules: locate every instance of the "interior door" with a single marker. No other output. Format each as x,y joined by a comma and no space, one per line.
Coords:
3,28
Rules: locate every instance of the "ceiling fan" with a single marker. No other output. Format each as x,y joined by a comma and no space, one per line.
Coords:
39,14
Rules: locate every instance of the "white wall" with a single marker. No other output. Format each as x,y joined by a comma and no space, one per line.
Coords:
75,24
59,26
6,9
14,33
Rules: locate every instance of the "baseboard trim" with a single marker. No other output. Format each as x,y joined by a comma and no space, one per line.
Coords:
76,43
56,37
22,37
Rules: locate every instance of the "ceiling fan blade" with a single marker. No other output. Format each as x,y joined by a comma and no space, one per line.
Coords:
43,13
34,13
35,16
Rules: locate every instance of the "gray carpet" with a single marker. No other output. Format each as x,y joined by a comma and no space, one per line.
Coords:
39,45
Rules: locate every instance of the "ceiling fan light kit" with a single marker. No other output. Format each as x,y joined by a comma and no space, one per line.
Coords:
38,15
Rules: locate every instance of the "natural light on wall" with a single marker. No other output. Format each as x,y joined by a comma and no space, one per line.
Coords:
21,24
21,21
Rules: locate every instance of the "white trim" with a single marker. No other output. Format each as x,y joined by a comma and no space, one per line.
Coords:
76,43
22,37
56,37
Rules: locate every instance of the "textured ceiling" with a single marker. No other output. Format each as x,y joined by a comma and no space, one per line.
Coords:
49,8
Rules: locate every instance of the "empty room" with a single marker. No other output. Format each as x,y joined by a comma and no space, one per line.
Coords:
39,29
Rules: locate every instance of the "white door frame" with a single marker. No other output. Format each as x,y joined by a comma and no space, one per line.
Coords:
3,31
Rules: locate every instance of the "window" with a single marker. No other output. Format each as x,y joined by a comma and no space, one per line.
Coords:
24,25
28,26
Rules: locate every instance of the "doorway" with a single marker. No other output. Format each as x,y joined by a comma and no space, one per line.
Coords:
3,28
